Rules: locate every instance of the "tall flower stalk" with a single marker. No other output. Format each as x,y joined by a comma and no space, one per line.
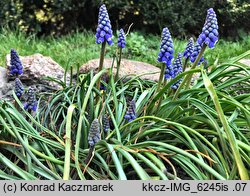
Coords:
165,56
103,34
121,45
31,103
16,67
208,37
188,52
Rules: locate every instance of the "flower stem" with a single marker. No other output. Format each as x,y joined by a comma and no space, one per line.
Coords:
101,63
185,64
188,77
163,67
118,65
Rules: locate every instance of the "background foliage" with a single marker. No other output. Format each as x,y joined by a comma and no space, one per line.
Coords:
182,17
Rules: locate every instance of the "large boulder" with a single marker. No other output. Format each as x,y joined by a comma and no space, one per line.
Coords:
3,81
127,68
35,69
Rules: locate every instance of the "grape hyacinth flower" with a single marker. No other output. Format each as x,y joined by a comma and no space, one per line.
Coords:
194,55
103,30
94,133
19,90
121,39
177,66
31,103
16,67
104,78
176,84
177,69
209,34
166,54
130,113
189,48
167,48
105,123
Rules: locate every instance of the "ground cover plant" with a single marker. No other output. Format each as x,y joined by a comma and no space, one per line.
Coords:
105,127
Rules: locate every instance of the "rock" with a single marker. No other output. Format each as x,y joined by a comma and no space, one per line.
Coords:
3,81
36,68
128,68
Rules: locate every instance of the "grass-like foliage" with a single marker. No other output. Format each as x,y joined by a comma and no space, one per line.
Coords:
103,126
191,137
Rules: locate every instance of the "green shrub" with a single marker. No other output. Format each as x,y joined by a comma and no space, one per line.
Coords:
181,17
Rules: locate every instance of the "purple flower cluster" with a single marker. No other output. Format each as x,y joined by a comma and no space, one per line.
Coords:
177,66
19,90
177,69
31,103
94,133
209,34
177,84
169,73
121,39
104,30
194,55
167,48
16,67
105,123
130,113
189,48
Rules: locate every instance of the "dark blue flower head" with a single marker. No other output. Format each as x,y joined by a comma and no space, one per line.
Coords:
94,133
197,49
177,66
189,48
103,30
105,123
31,103
19,90
176,85
167,48
16,67
130,113
121,39
104,79
169,72
209,34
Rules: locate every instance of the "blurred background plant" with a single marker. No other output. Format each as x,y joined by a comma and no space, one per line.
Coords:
59,17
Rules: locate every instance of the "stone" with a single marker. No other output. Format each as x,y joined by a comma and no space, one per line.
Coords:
127,68
36,68
3,80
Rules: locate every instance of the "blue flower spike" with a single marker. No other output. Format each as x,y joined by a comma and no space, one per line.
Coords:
105,123
189,48
31,103
122,39
194,55
166,53
209,34
177,66
167,47
94,133
177,69
16,67
104,29
130,113
177,84
19,90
